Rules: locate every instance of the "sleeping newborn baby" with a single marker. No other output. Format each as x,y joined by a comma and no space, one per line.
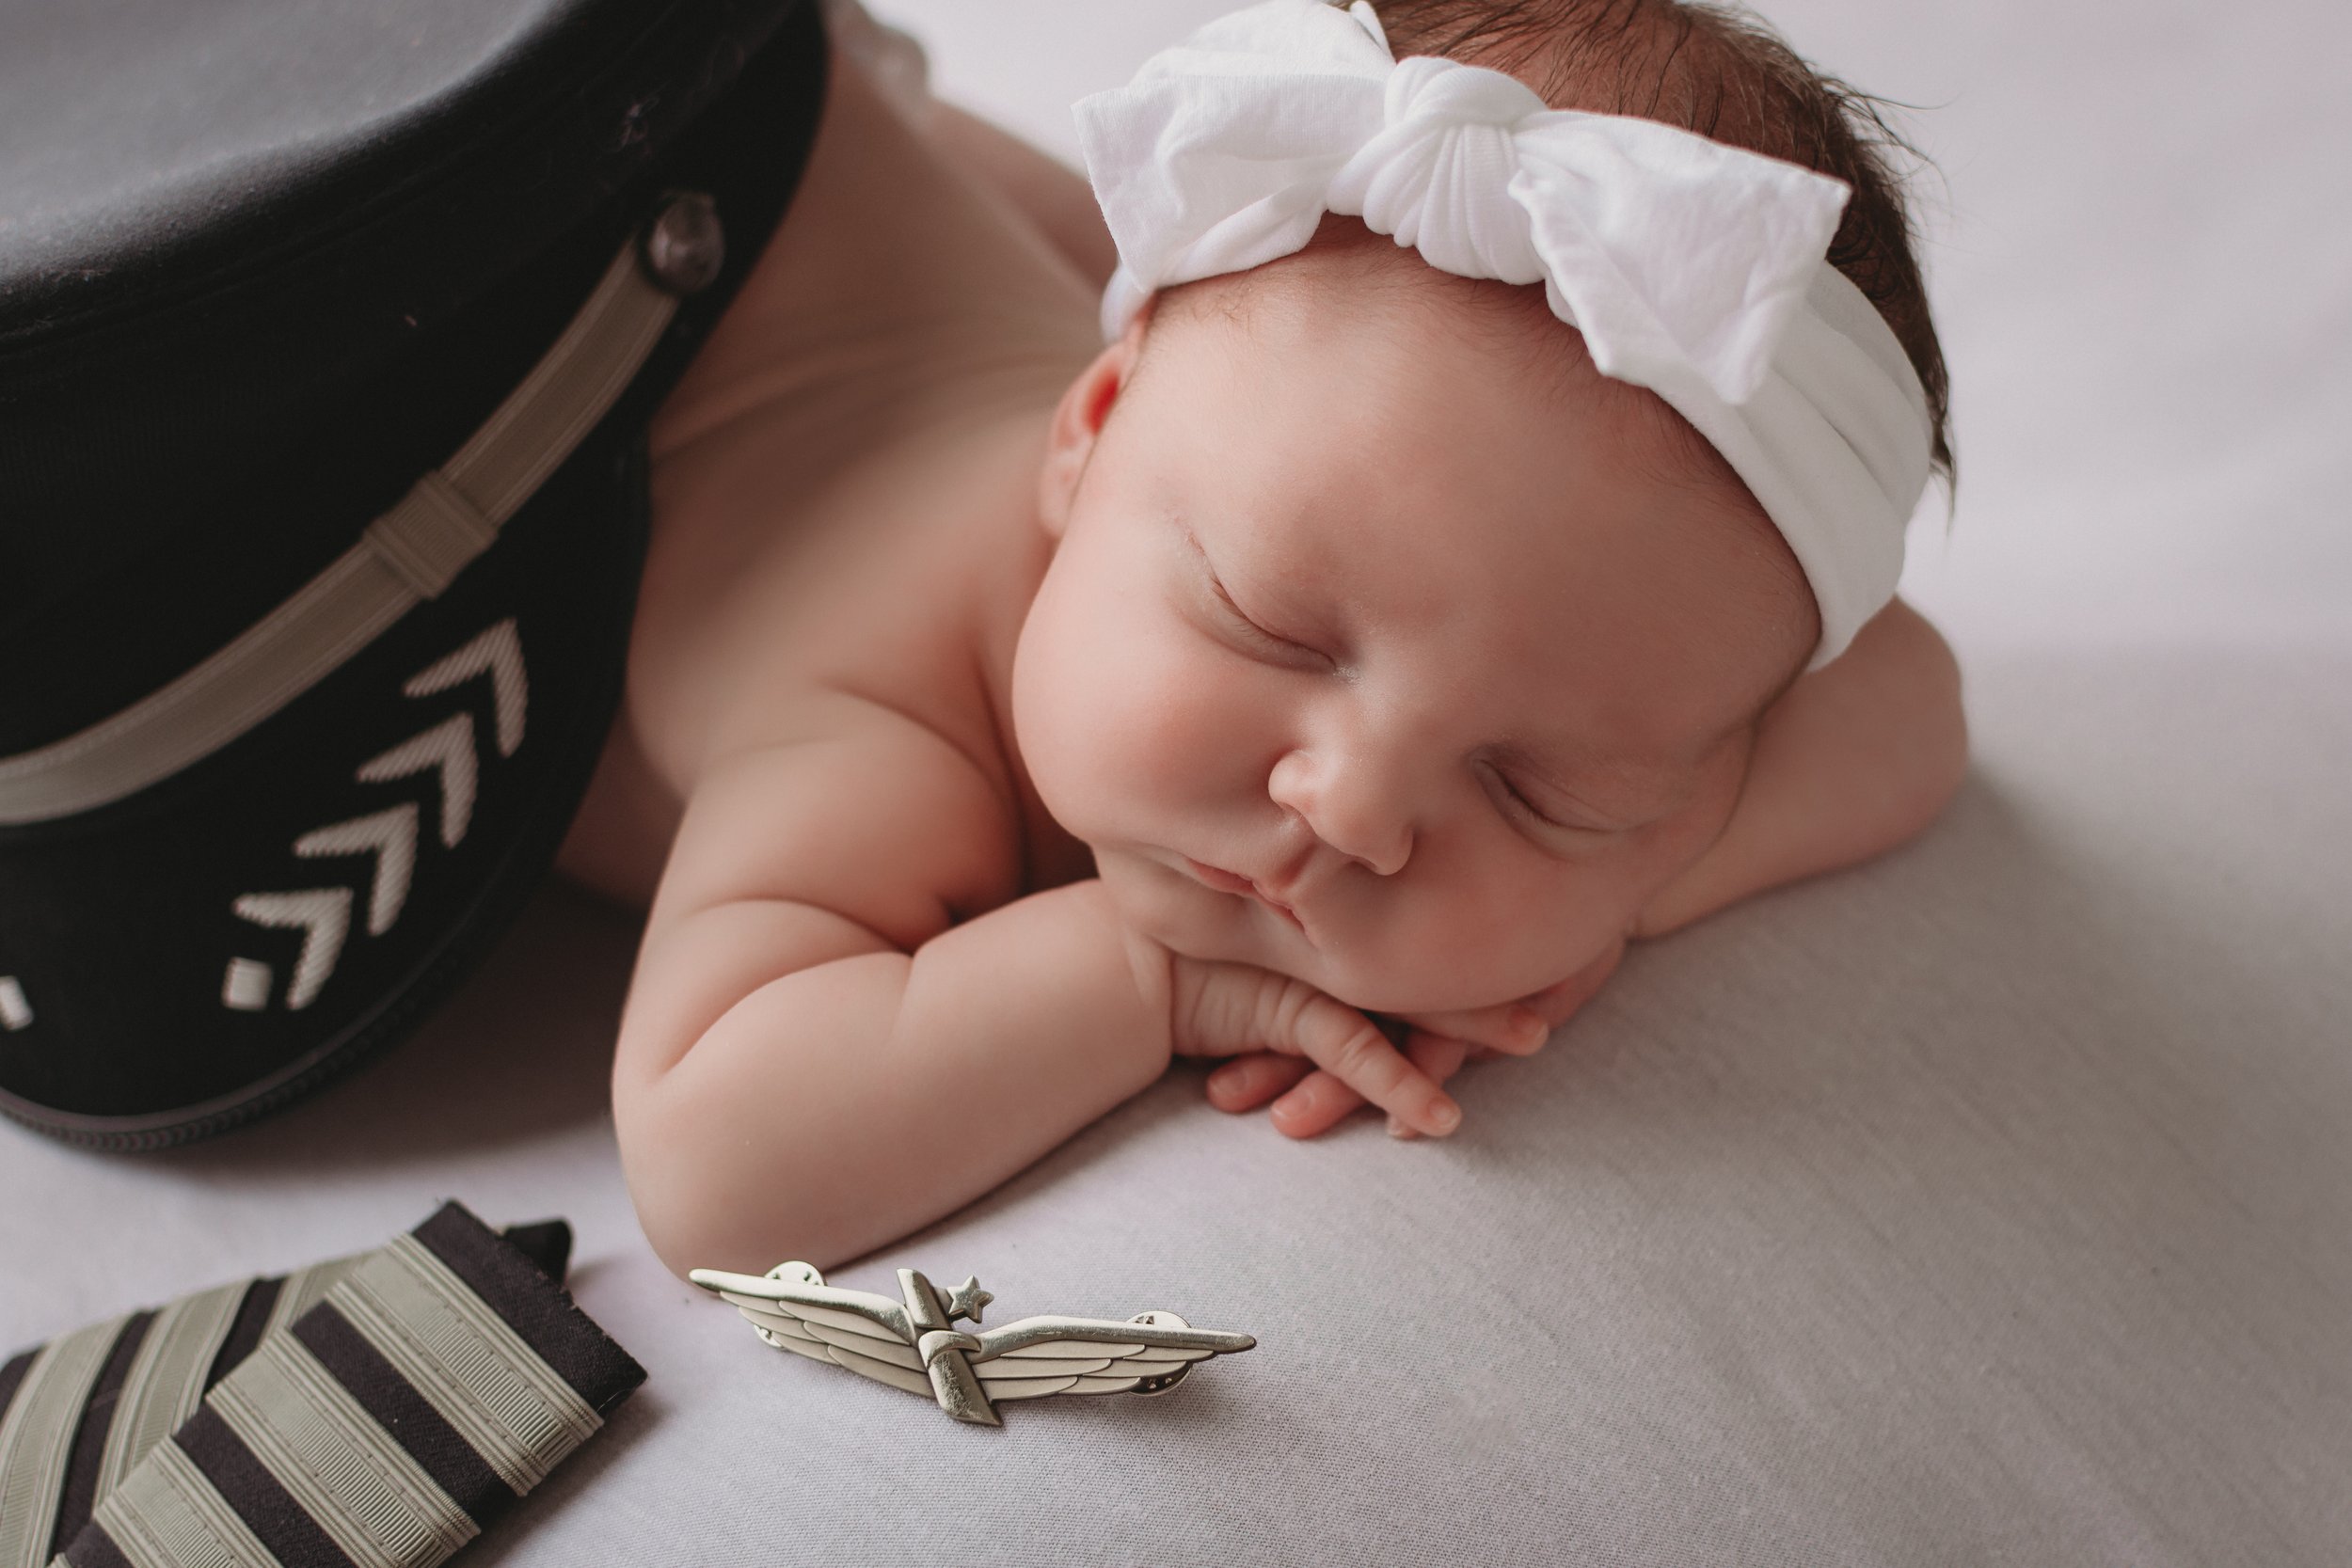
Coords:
1474,549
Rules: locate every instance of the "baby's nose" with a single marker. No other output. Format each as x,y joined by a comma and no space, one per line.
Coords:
1350,806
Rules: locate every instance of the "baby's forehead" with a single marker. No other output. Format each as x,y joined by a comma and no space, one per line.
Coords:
1508,331
1368,436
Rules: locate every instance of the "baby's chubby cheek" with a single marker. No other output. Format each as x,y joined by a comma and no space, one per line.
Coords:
1113,747
1453,940
1454,944
1479,924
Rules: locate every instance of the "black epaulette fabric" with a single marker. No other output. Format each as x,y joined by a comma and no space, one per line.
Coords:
380,1409
300,690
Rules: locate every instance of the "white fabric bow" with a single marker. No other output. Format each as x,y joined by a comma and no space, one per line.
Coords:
1692,268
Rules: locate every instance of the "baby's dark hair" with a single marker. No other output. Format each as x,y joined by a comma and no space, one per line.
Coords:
1723,73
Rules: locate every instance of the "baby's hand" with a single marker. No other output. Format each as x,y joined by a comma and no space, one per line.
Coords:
1227,1009
1308,1102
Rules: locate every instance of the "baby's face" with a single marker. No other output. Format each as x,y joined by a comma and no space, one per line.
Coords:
1378,653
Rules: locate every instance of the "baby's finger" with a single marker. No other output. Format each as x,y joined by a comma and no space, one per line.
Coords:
1316,1105
1512,1027
1226,1009
1440,1057
1346,1044
1246,1082
1321,1101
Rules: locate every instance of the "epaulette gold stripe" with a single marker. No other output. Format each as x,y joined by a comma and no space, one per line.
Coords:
166,1382
37,1437
167,1514
375,1501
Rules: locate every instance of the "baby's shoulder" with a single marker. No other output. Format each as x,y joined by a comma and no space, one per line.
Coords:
889,591
774,584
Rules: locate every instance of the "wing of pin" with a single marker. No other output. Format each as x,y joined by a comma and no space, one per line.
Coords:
913,1343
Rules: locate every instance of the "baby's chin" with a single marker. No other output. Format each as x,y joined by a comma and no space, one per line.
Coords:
1200,923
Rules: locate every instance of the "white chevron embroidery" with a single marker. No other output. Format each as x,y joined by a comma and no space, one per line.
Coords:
245,988
500,651
393,836
448,746
324,916
16,1011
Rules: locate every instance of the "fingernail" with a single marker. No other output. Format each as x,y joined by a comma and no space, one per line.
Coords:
1398,1129
1528,1025
1445,1115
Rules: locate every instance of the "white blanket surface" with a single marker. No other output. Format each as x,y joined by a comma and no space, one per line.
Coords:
1985,1205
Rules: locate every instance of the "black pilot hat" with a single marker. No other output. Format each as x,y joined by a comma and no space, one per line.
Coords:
329,330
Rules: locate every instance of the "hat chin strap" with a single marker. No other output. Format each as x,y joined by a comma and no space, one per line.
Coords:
407,556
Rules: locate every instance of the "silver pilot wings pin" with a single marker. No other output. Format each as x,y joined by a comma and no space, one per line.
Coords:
913,1343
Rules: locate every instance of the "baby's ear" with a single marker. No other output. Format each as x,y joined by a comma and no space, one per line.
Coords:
1078,423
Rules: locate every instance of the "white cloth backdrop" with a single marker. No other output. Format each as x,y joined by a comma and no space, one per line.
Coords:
1986,1205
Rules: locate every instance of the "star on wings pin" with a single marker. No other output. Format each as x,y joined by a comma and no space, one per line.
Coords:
914,1344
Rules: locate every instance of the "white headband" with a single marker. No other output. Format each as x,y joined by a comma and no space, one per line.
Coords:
1692,268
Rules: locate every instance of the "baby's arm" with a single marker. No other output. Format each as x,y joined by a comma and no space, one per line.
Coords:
792,1078
1857,757
817,1057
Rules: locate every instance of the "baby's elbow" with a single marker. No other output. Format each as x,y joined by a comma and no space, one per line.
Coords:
701,1202
671,1185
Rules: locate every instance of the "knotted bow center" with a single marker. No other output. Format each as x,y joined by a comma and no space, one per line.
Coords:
1437,176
